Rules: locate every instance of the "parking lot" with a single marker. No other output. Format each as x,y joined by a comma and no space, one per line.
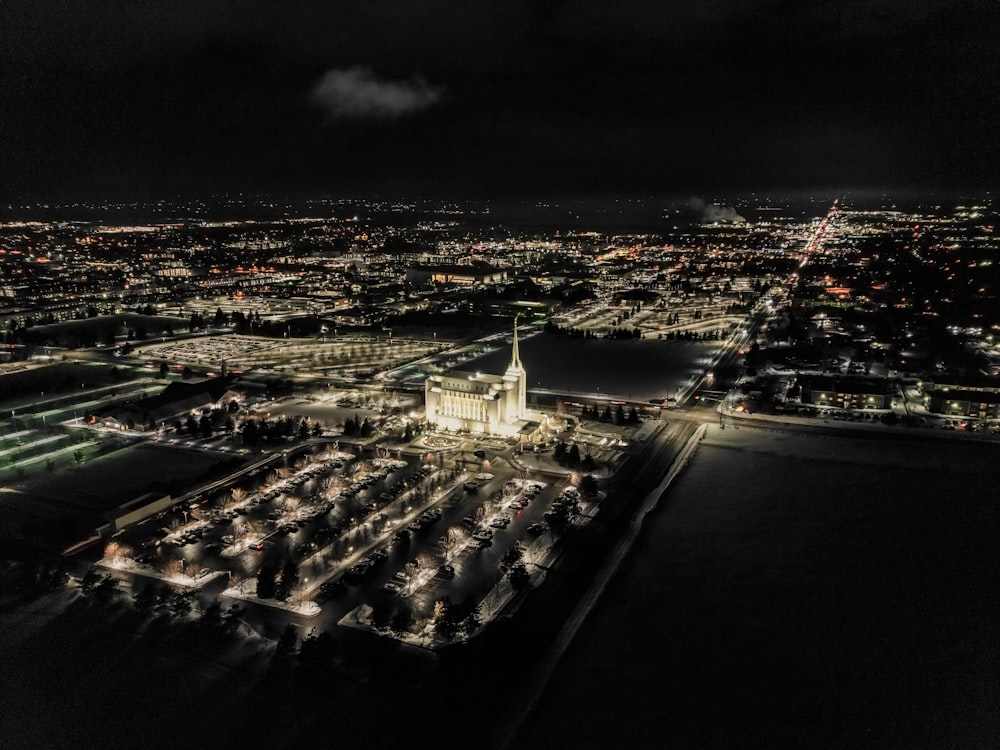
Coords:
344,532
342,355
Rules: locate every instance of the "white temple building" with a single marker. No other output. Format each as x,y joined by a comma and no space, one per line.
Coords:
478,402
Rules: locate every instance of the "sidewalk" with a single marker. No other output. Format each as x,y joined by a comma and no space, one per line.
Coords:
728,417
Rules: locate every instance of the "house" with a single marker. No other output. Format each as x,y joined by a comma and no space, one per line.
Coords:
178,399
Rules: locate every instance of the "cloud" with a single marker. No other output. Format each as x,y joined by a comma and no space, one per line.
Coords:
357,93
713,213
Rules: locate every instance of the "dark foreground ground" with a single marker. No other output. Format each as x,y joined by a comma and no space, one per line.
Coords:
780,597
831,593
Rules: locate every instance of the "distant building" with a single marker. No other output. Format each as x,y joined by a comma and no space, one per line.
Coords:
462,275
954,402
176,400
506,308
845,393
478,402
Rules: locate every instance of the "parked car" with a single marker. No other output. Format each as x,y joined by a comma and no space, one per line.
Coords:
358,571
334,587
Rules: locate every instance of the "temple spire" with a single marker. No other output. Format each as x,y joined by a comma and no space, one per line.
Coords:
515,356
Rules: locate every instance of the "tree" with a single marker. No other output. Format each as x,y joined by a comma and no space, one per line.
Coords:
317,654
588,486
518,575
145,599
163,369
408,433
251,432
211,616
181,603
237,495
205,426
191,425
444,621
89,581
471,617
606,414
285,647
381,614
402,619
105,588
288,581
231,617
573,458
512,556
559,453
619,415
265,582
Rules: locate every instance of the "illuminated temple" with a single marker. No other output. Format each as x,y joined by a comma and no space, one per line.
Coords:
478,402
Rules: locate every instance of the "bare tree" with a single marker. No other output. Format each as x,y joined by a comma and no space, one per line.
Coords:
115,551
173,567
193,568
456,535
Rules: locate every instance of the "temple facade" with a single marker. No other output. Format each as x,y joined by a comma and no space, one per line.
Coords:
478,402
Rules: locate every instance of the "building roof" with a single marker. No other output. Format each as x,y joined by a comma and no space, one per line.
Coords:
845,385
482,377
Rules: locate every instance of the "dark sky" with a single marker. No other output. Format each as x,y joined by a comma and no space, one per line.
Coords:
119,98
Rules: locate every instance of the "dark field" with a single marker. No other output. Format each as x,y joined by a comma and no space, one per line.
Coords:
54,379
797,600
67,505
635,369
791,591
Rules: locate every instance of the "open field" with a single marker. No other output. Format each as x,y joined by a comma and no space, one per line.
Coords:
638,369
29,379
103,482
797,591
